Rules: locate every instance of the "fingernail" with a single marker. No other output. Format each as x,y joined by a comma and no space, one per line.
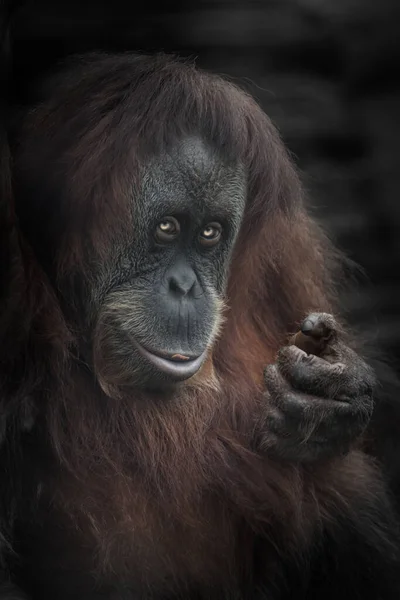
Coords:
307,326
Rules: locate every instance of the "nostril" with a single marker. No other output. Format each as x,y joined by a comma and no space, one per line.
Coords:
173,285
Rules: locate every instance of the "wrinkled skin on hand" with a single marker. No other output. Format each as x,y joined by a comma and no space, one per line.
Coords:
318,406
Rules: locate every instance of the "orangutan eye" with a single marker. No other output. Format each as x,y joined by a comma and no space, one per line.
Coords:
210,235
167,230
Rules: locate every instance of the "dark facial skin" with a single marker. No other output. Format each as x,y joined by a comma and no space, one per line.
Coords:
156,305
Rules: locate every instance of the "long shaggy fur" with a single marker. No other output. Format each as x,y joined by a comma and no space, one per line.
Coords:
180,472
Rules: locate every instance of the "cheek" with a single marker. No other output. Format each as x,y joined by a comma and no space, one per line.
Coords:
116,361
217,274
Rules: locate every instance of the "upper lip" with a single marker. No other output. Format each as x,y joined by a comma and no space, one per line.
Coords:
169,364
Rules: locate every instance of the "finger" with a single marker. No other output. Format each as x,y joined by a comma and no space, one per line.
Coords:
312,417
314,375
306,452
277,441
311,428
274,381
276,385
319,324
305,413
321,334
316,332
324,328
286,409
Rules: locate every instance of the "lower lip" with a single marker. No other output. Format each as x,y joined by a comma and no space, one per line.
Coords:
180,370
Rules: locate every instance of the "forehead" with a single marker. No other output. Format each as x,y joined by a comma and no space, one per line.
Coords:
193,178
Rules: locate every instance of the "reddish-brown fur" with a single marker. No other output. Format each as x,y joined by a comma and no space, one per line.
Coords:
176,485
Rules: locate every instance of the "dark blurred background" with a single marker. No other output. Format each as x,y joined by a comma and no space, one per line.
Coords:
326,71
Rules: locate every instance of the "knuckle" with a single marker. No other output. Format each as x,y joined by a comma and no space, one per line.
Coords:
338,370
308,367
271,396
297,374
269,373
291,355
274,421
293,403
268,442
267,370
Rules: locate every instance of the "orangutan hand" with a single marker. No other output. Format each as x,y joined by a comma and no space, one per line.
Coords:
317,405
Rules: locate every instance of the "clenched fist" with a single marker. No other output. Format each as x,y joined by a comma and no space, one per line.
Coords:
319,395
